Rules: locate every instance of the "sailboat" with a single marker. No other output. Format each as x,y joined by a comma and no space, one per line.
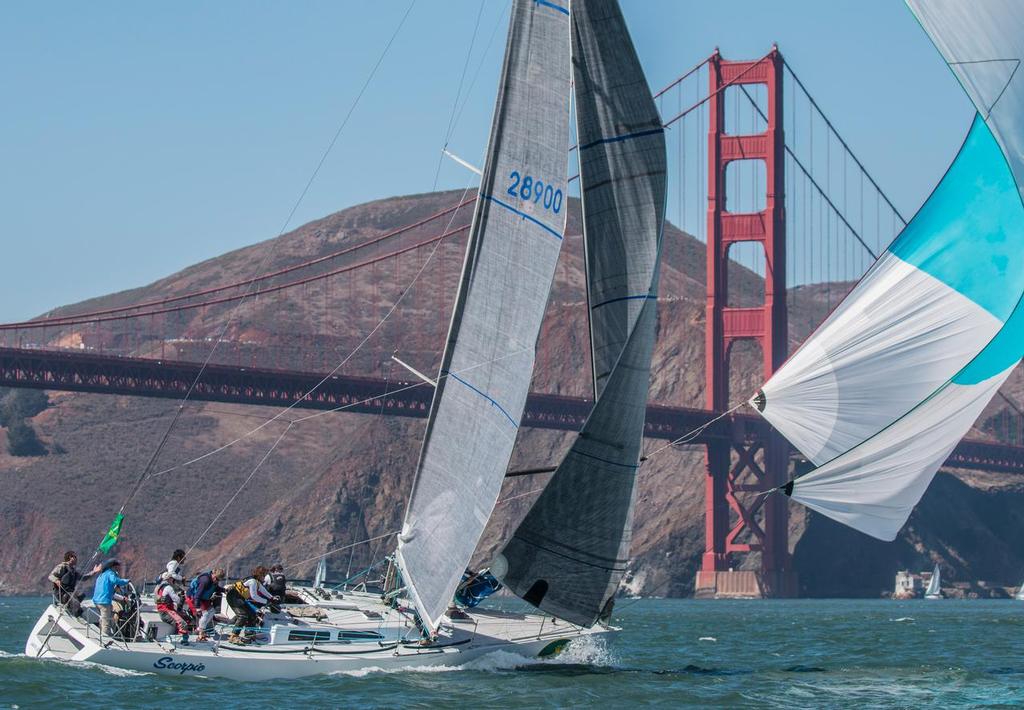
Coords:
934,590
885,388
321,573
1019,596
570,553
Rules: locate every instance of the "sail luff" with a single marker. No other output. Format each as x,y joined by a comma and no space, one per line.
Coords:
883,391
488,360
569,554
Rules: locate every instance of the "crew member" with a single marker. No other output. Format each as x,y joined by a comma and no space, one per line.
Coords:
276,583
64,578
199,597
103,594
174,568
247,598
169,603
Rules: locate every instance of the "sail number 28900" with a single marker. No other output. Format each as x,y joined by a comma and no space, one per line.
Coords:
527,187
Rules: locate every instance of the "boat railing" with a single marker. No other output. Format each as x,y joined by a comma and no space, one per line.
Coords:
62,608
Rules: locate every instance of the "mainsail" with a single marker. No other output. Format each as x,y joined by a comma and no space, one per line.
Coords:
488,360
882,392
570,552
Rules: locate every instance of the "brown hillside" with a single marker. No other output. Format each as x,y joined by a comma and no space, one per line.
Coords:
340,478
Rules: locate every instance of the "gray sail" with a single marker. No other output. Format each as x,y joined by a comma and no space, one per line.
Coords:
569,554
489,357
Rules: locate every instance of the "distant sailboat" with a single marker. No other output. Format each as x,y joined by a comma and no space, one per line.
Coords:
321,573
882,392
1019,596
934,590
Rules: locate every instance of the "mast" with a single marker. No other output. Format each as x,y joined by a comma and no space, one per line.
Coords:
488,360
569,554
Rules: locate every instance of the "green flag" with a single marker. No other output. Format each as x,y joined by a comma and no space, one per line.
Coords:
110,539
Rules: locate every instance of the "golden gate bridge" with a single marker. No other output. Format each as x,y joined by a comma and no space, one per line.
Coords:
790,218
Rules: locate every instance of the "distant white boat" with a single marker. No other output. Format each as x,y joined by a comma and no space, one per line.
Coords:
934,590
1019,596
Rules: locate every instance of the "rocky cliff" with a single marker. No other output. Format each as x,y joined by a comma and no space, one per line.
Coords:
339,478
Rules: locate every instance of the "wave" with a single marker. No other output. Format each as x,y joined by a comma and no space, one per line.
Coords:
587,654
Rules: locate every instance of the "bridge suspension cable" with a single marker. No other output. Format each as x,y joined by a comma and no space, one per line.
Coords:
241,296
90,316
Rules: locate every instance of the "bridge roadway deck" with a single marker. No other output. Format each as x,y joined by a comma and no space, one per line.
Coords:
142,377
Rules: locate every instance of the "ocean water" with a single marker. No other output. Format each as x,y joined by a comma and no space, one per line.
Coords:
672,653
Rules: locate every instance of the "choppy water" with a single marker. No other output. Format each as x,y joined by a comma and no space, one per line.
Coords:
805,653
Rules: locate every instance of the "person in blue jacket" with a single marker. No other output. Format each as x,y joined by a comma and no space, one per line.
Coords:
103,594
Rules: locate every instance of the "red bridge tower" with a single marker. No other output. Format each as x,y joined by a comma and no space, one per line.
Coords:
739,468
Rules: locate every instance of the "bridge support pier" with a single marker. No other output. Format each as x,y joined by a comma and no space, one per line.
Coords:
741,467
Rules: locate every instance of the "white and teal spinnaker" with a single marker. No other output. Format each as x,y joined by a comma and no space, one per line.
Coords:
570,552
488,360
883,391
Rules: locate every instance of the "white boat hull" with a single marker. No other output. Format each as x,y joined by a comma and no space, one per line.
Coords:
59,636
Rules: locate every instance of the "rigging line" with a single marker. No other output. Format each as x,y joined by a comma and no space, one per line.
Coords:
847,147
458,94
348,357
334,410
476,75
228,321
519,495
237,492
76,319
386,535
351,110
80,318
413,386
342,549
691,435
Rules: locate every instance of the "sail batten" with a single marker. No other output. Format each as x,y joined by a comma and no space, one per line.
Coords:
883,391
514,241
571,551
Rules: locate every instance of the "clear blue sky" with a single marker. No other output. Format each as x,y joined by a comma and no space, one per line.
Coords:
139,138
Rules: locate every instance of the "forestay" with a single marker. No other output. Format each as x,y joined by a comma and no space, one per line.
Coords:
570,552
895,377
489,357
